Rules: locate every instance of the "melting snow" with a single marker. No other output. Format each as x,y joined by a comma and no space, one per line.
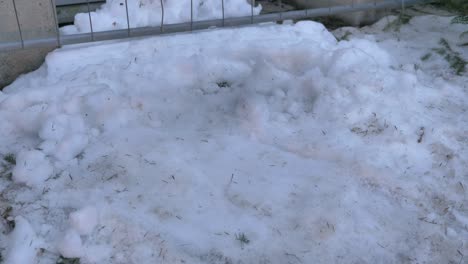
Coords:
264,144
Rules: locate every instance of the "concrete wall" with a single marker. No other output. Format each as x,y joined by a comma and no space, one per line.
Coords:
66,14
36,20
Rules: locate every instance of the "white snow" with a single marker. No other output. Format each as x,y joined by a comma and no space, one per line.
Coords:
32,168
84,220
141,13
22,246
64,135
168,149
71,246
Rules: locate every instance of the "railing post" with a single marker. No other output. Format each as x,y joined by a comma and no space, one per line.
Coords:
252,5
19,24
222,9
128,19
162,16
90,21
191,15
54,13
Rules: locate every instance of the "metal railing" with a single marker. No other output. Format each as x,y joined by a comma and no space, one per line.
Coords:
60,39
76,2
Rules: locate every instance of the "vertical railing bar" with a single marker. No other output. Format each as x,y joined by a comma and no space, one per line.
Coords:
128,19
329,7
252,3
19,25
90,21
402,10
162,15
191,15
307,12
281,12
222,8
54,13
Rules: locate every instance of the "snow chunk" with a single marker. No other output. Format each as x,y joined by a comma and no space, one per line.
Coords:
84,220
98,253
318,30
71,146
22,243
64,136
70,246
32,168
352,55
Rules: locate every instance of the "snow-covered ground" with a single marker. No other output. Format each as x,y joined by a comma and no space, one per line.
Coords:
263,144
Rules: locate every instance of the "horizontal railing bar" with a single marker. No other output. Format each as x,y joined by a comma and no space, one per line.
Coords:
201,25
76,2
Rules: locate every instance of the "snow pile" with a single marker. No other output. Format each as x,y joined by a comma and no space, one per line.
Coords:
23,244
32,168
71,246
64,136
141,13
84,220
82,223
266,144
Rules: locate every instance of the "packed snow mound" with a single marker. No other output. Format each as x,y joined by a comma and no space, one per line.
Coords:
84,220
141,13
71,246
32,168
265,144
23,243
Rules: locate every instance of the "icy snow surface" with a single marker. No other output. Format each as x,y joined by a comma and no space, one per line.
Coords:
265,144
141,13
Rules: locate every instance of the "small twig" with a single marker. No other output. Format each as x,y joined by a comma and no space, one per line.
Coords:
461,259
150,162
424,219
380,245
242,238
421,135
294,256
126,67
120,191
112,177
